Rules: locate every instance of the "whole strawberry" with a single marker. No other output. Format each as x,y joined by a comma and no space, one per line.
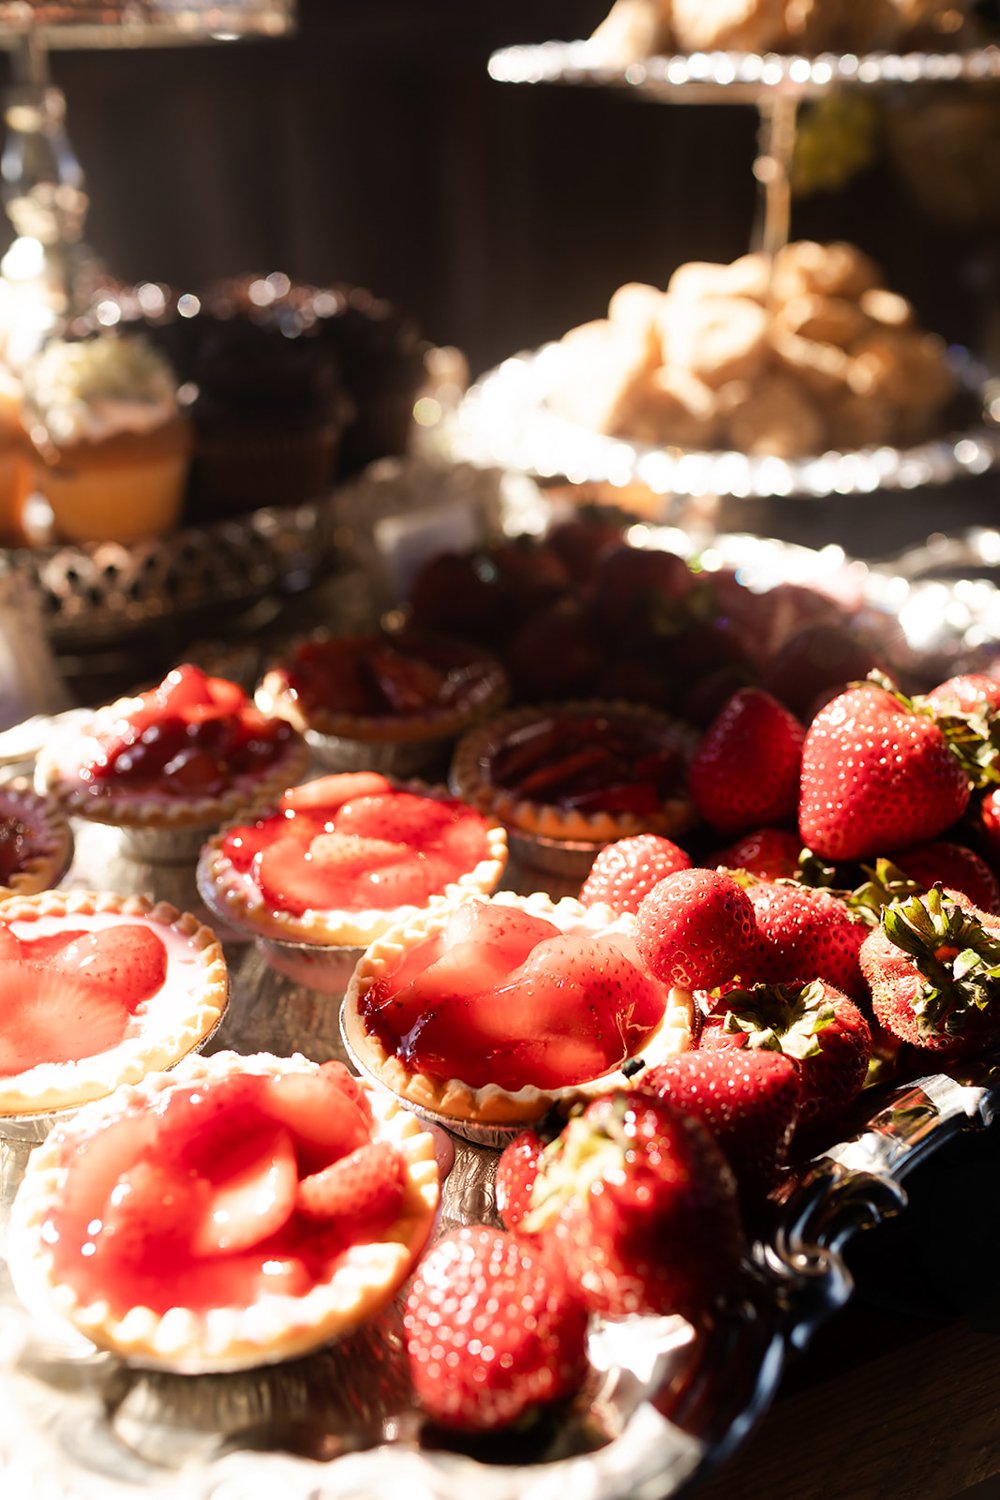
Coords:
954,867
640,1205
694,929
876,775
628,869
934,972
768,853
492,1331
815,1025
745,771
748,1099
803,934
517,1170
968,693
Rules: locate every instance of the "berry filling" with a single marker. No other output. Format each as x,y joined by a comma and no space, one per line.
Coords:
354,843
501,996
191,736
224,1191
15,848
380,675
71,994
590,763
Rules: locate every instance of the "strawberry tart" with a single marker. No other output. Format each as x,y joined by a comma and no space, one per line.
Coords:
483,1015
340,859
390,701
167,767
234,1212
99,990
567,779
36,845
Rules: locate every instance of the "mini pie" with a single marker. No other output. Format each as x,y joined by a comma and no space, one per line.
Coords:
484,1015
178,759
36,845
385,701
99,990
342,858
199,1222
585,772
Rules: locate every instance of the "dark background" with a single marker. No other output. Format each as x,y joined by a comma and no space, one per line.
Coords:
373,148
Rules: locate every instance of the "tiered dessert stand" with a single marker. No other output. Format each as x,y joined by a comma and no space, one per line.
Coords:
505,420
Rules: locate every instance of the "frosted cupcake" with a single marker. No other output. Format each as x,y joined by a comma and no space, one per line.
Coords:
112,445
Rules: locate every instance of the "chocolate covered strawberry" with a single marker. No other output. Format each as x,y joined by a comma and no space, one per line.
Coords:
640,1206
745,771
695,928
492,1331
748,1099
802,934
627,870
933,968
877,775
818,1027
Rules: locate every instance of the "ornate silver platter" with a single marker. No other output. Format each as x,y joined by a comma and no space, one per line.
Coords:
505,420
665,1402
735,77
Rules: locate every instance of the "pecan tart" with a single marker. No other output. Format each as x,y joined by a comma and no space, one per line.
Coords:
99,990
484,1015
390,700
211,1218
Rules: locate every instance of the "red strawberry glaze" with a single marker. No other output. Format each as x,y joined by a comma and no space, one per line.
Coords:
15,848
375,851
197,1198
503,997
70,994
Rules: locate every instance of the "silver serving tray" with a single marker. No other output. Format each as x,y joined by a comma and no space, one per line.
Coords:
664,1404
735,77
504,420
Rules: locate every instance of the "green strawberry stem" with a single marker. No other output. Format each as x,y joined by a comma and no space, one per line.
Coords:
958,959
781,1018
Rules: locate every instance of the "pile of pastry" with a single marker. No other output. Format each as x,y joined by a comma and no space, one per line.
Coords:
640,28
802,354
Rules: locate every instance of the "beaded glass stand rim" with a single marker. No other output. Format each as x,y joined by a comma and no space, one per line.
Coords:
504,420
733,77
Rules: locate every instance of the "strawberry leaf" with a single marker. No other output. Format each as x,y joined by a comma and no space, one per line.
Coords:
957,958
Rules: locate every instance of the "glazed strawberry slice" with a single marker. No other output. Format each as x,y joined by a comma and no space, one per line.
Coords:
336,866
325,1119
406,684
127,960
328,793
34,949
183,689
253,1180
52,1017
403,817
366,1187
577,1007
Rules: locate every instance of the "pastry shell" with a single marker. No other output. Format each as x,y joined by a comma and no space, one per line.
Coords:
276,1326
238,901
470,779
488,1115
50,839
158,1034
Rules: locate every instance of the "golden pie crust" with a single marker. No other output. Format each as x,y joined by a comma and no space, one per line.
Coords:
452,1100
274,1327
50,839
470,778
57,775
163,1028
237,900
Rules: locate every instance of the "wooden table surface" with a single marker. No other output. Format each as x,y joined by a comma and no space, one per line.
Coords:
898,1397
